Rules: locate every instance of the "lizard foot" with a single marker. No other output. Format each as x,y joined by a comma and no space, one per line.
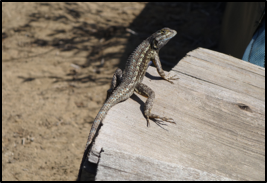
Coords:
169,78
164,119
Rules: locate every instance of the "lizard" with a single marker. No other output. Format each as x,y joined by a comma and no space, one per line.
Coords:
125,83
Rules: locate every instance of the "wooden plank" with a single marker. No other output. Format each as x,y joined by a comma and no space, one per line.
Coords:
226,60
224,71
136,167
219,107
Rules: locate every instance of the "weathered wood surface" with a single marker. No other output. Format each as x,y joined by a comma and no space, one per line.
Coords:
219,107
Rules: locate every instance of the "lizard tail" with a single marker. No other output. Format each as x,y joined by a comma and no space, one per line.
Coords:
100,116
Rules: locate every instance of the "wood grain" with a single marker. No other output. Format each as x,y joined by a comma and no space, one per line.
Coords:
219,107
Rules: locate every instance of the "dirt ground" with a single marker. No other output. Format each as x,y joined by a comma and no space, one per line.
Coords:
57,63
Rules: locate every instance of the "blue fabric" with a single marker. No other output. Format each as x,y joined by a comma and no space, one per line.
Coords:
255,51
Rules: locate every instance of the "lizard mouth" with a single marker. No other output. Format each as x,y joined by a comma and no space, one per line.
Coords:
173,33
170,35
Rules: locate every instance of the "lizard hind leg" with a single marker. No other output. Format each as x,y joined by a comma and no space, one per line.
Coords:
116,80
144,90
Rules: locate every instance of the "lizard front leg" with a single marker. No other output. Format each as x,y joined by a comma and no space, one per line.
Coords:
157,63
116,80
144,90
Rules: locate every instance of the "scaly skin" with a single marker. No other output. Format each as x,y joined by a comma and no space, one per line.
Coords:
125,83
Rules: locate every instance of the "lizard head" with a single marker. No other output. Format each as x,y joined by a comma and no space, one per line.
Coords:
161,37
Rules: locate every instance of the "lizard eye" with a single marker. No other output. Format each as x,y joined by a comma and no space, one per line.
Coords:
163,31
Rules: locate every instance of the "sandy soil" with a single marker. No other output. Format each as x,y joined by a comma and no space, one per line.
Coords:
57,63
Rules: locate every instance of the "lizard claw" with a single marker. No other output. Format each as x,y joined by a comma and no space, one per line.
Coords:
170,120
169,78
148,124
